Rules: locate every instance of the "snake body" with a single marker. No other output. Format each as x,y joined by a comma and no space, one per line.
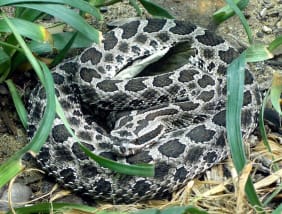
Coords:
173,119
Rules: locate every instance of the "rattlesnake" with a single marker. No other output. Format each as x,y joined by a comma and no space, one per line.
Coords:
173,119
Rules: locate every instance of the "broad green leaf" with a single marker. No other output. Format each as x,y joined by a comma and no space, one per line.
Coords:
155,9
27,29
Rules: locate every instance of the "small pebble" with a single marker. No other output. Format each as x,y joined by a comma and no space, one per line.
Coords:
263,12
104,9
260,34
20,193
266,29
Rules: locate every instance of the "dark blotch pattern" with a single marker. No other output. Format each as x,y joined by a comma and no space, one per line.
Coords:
103,186
249,79
141,188
135,85
172,148
181,174
60,133
88,171
247,98
110,41
219,118
129,29
150,135
108,85
162,80
211,157
154,25
58,78
187,76
87,74
141,157
194,154
123,47
182,28
91,54
206,95
188,106
163,36
141,38
68,175
109,57
161,170
205,81
64,154
228,56
208,53
201,134
70,67
78,151
209,39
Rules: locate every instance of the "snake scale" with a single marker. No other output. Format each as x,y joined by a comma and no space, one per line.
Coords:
173,119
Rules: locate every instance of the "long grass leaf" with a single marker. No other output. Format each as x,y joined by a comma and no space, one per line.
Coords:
28,29
80,4
226,12
155,9
56,208
242,18
68,16
17,102
235,88
145,170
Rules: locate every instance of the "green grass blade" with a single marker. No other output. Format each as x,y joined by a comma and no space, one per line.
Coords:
64,51
17,102
13,166
235,87
257,53
143,170
276,90
242,18
226,12
136,7
278,210
68,16
275,44
28,29
155,9
25,49
56,208
46,123
80,4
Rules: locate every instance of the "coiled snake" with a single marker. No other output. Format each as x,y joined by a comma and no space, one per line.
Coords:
174,119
